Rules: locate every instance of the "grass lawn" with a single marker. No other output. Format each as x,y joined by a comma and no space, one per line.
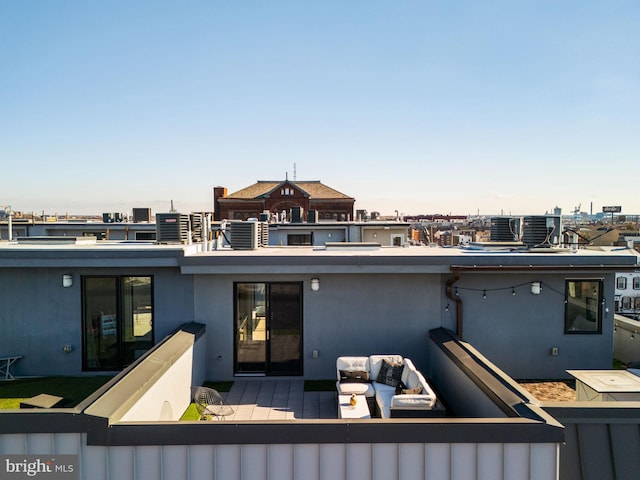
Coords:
72,389
191,413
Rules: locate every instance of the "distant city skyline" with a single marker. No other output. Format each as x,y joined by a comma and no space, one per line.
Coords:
417,107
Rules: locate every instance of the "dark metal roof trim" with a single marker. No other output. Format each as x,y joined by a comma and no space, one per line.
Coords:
434,430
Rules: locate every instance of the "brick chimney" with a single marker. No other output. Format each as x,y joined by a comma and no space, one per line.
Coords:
218,192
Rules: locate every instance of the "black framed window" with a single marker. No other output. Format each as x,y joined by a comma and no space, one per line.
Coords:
621,283
636,283
299,239
117,316
583,306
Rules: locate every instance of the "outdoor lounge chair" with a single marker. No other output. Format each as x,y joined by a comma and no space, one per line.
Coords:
209,403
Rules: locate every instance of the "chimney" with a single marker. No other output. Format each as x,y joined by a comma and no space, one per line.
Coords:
218,192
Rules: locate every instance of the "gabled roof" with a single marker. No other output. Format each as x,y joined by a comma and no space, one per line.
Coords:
314,189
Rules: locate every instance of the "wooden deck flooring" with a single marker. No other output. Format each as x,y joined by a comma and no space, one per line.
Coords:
278,400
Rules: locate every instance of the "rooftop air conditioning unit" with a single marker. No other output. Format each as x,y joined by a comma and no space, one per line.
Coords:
264,233
541,231
297,214
172,228
197,235
141,215
249,235
505,229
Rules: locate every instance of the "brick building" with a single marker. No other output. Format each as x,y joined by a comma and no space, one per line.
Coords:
300,197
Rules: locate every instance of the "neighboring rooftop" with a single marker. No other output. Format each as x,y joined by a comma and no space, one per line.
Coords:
314,189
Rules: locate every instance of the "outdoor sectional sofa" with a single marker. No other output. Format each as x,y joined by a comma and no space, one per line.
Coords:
401,390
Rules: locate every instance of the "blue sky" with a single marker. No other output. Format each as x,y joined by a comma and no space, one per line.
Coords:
459,107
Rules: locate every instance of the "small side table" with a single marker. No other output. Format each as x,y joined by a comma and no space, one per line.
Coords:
360,410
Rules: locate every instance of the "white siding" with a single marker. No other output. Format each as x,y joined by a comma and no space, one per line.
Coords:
297,462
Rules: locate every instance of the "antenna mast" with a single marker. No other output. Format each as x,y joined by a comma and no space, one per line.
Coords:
294,172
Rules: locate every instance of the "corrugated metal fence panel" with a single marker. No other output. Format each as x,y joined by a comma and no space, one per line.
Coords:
601,441
625,441
540,465
151,467
300,462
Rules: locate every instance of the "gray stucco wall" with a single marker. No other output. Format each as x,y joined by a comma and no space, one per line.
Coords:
518,332
38,316
349,315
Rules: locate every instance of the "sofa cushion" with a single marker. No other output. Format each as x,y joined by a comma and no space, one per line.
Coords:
354,376
390,373
365,389
352,364
413,379
375,362
384,394
408,368
412,391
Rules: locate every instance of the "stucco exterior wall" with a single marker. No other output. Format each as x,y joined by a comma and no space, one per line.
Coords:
38,316
518,332
349,315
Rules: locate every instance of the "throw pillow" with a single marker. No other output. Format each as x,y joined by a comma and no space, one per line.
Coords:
390,373
412,391
399,387
347,376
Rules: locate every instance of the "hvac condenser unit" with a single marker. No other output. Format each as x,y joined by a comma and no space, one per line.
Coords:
141,215
249,235
297,214
195,220
172,228
505,229
541,231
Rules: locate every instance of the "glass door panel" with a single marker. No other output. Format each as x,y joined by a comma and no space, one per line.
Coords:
268,328
137,315
251,328
101,323
285,339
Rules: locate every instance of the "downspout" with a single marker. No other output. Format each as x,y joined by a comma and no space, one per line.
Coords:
457,300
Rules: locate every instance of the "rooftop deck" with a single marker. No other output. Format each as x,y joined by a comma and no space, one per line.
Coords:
253,400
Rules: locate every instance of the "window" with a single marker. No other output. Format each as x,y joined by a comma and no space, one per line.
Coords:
583,300
636,283
621,283
117,315
299,239
145,235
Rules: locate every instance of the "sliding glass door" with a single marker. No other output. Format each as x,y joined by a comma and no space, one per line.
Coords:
117,320
268,328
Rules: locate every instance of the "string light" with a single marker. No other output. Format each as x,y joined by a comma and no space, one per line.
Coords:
446,309
513,291
484,294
